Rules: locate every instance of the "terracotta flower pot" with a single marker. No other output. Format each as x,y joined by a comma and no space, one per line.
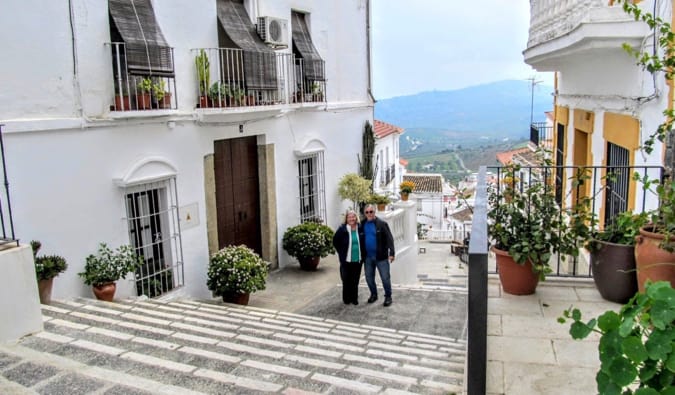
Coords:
516,279
404,196
45,290
236,298
651,261
105,291
309,264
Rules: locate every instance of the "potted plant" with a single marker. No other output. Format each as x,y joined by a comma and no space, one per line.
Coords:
317,92
235,272
203,77
406,188
655,246
527,226
107,266
380,200
354,188
612,253
121,97
308,243
219,94
238,96
160,94
636,344
144,93
46,268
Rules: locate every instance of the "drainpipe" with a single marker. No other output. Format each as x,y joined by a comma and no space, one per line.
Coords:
370,79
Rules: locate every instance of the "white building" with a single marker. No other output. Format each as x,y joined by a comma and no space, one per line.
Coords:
605,105
159,168
387,157
430,194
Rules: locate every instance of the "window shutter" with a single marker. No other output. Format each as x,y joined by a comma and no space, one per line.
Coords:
302,40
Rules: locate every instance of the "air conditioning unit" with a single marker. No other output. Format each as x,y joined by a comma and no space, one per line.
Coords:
273,31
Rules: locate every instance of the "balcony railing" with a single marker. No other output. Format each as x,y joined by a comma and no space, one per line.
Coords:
236,78
387,175
554,18
139,92
609,189
541,135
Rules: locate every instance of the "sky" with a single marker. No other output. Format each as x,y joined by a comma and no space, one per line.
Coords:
429,45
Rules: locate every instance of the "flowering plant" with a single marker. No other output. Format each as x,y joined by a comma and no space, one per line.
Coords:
47,266
309,239
407,186
108,266
236,269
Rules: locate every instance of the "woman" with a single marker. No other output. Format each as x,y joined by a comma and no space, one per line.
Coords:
347,244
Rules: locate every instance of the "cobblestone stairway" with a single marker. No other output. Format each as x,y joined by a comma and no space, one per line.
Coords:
190,347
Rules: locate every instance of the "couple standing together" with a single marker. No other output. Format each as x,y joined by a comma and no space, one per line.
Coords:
369,243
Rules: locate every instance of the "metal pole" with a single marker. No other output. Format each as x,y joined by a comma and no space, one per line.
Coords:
4,170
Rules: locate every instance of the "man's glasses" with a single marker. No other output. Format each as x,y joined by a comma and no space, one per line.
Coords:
369,212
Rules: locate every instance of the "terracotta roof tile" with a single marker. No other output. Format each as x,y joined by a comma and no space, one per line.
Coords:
383,129
507,157
425,182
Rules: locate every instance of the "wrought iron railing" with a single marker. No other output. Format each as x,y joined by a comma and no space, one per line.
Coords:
541,135
140,92
6,219
229,77
607,190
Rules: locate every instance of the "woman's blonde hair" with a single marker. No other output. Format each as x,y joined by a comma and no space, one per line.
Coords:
351,212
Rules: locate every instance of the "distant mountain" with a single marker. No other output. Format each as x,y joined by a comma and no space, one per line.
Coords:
496,110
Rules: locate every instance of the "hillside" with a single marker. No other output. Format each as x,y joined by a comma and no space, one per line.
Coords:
447,129
499,109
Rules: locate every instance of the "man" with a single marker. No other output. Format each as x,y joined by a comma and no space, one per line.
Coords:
377,245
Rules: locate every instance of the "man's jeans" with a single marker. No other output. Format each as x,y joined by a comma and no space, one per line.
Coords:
383,268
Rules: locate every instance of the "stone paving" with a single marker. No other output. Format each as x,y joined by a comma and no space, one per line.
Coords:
190,347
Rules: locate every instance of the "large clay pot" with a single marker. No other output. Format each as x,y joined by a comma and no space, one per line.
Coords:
613,268
310,263
652,262
105,291
45,290
236,297
516,279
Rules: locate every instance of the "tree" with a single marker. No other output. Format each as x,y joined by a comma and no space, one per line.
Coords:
366,169
355,188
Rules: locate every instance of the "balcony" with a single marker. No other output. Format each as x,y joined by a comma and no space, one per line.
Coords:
230,78
140,91
541,135
563,28
387,175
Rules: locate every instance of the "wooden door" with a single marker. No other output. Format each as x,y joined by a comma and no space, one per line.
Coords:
237,192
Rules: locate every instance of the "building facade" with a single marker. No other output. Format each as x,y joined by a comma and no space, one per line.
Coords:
605,104
179,127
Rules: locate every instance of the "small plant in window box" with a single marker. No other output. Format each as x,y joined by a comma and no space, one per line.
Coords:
204,77
144,93
219,95
160,94
122,102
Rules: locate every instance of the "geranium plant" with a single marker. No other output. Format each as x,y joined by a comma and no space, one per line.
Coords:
308,240
236,269
47,266
407,186
636,349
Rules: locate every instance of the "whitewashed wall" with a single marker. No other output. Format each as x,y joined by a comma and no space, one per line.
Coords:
64,148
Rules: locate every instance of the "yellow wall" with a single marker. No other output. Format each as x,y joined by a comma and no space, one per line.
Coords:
624,131
582,150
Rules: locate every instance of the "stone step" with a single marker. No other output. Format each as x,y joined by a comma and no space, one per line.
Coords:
210,347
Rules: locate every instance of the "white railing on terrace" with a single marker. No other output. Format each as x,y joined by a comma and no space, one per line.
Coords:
553,18
447,236
138,92
238,78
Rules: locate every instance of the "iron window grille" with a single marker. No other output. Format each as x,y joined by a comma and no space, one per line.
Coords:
154,232
311,183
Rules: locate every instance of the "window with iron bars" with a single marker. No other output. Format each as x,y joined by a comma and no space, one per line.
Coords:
154,233
311,183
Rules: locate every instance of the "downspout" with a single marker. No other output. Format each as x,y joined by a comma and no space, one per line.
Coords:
76,71
370,77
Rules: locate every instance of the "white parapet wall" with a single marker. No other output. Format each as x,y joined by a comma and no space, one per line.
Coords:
403,224
19,300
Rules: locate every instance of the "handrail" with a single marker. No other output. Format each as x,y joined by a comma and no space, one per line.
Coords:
477,298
